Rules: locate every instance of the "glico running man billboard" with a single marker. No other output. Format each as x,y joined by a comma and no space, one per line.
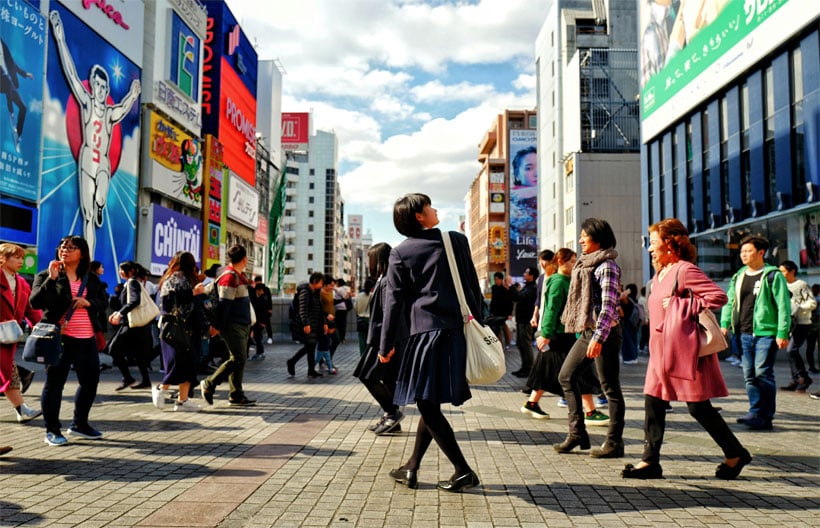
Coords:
91,143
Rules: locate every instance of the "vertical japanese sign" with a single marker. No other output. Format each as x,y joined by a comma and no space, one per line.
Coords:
91,153
523,201
214,177
23,37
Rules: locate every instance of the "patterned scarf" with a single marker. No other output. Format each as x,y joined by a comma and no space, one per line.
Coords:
578,314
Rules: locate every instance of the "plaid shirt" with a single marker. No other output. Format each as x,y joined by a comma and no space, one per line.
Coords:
608,276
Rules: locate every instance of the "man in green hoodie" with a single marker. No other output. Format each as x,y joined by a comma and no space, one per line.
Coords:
759,314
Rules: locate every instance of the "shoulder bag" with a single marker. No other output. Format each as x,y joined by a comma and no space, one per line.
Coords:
10,332
709,334
485,357
145,312
45,345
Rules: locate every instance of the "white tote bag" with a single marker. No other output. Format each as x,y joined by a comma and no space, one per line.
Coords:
145,312
485,356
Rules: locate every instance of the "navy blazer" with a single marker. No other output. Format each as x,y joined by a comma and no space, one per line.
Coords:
419,282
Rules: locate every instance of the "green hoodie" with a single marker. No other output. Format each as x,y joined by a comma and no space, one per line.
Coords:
772,310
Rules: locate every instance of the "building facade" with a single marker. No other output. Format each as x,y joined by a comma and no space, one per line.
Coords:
501,203
589,126
312,221
731,130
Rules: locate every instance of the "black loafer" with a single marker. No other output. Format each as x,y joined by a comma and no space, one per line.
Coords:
456,484
730,473
408,477
652,471
571,443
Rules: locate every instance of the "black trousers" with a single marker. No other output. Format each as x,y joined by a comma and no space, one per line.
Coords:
706,415
608,365
799,336
310,350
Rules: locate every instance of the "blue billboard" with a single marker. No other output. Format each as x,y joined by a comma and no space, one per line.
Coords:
22,41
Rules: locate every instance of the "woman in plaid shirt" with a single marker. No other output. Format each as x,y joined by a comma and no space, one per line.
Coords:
591,312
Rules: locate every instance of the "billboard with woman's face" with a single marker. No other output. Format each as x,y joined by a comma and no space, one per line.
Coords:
523,201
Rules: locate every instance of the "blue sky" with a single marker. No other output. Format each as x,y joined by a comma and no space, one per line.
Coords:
410,87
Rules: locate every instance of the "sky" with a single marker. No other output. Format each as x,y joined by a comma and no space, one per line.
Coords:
410,87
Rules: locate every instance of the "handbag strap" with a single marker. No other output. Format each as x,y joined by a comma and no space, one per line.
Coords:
451,260
70,311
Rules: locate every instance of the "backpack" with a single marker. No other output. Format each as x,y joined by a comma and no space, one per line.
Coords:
642,316
210,301
635,316
297,333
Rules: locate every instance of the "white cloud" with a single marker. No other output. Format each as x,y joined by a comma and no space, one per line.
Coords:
435,91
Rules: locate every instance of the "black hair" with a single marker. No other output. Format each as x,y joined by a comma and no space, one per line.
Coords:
94,266
547,255
129,267
236,254
378,256
316,276
633,291
85,253
600,231
404,213
369,284
760,243
327,279
340,282
498,275
790,265
257,278
211,272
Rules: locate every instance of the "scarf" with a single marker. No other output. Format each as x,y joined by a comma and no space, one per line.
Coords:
578,314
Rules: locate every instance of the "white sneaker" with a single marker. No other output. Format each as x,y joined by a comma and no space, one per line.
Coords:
158,396
26,413
186,406
269,341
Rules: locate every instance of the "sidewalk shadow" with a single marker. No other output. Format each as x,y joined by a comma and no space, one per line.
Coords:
12,514
571,499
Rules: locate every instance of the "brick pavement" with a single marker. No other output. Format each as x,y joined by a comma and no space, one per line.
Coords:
303,457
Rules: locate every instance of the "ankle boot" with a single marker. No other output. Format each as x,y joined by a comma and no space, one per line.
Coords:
571,442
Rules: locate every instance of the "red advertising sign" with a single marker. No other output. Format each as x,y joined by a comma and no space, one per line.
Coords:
295,130
237,124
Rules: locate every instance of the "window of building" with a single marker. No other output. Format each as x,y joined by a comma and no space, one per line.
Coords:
569,182
770,168
724,156
533,121
311,186
310,256
310,228
312,172
745,152
704,149
310,214
674,211
310,241
569,215
310,199
798,141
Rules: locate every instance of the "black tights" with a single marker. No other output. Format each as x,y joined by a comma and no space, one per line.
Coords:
434,426
383,393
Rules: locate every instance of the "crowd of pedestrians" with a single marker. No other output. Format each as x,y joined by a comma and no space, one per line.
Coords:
585,324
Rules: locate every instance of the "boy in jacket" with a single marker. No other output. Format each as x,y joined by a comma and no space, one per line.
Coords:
759,313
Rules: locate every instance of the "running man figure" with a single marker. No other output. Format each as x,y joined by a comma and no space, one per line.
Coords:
98,120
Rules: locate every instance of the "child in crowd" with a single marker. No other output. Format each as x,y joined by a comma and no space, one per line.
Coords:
323,348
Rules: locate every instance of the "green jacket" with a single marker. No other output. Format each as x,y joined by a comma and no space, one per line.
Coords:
772,309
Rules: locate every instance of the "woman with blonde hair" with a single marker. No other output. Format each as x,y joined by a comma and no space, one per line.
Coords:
673,256
14,306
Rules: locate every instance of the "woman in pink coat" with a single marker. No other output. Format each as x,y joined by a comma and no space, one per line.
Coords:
14,305
675,373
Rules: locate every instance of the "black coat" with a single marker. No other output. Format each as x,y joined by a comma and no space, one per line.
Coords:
54,297
310,311
419,283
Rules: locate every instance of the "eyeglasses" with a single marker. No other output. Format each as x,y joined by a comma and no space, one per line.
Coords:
68,248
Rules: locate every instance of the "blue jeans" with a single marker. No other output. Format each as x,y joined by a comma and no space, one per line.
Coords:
758,354
82,353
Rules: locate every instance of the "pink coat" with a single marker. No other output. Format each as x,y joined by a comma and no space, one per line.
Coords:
11,310
708,382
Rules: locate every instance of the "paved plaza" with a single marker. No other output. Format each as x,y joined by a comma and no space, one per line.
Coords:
303,457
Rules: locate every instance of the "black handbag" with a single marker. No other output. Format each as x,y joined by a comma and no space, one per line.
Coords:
175,332
45,344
